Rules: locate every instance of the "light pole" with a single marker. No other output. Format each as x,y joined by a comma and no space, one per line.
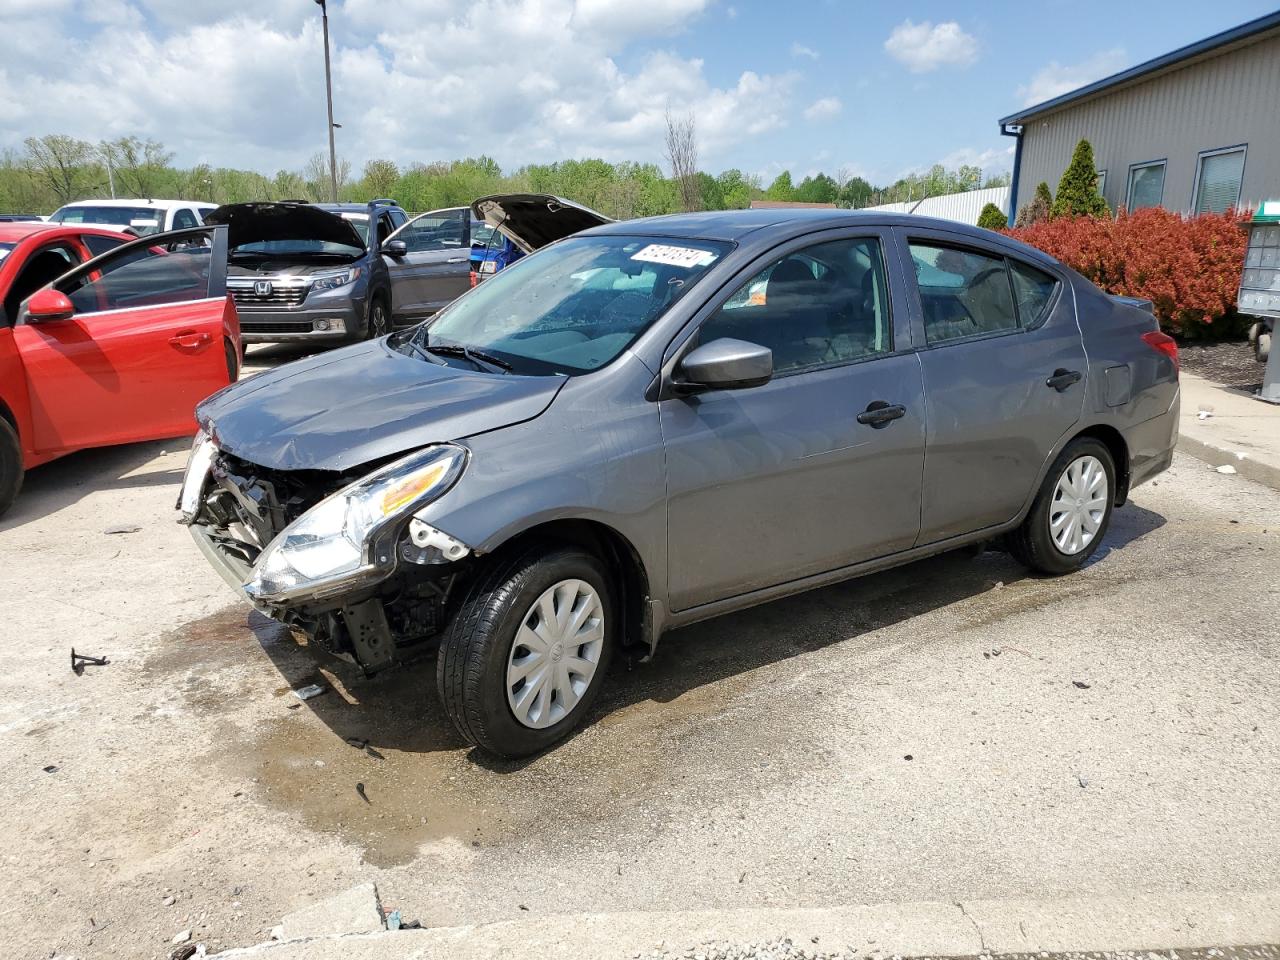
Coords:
328,91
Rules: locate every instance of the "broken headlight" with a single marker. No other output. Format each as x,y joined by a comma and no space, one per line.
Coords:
347,538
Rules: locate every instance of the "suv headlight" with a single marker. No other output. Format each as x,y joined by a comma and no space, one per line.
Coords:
348,538
331,281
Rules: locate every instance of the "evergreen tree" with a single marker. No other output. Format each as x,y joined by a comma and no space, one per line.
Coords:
1040,207
1078,189
992,218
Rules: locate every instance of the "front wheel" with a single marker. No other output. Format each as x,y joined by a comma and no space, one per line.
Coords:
1071,512
525,655
10,465
379,319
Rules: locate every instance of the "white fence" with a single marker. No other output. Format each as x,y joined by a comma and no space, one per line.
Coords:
963,207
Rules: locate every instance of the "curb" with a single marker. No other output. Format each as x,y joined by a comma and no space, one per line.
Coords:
1148,922
1216,456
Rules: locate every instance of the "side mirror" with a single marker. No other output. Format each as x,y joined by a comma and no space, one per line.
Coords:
395,248
726,364
48,305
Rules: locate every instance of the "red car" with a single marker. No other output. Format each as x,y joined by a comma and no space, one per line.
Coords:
105,339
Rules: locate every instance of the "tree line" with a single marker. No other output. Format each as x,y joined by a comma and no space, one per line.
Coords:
54,169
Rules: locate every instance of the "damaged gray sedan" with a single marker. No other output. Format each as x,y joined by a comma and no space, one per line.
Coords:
656,422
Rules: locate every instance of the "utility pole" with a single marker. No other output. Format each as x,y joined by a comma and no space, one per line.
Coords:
328,90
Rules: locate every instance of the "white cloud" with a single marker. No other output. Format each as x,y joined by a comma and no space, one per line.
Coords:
800,50
822,109
247,88
923,47
1055,79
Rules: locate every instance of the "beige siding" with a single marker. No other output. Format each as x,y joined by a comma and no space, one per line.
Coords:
1229,99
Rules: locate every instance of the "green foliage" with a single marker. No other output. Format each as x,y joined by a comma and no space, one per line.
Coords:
855,193
992,218
1039,209
1078,189
781,188
818,189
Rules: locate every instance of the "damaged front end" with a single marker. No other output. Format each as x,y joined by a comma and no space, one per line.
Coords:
342,557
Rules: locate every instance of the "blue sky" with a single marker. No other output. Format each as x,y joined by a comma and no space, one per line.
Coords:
872,89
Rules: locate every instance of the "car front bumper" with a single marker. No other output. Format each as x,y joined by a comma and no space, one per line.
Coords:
336,322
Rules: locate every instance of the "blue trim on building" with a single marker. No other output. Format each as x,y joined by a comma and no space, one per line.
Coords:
1017,170
1243,32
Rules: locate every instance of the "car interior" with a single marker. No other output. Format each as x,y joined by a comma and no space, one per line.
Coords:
41,268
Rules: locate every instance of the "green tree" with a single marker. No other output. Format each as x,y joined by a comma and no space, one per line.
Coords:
1078,189
737,189
379,179
63,166
141,168
817,189
781,188
992,218
1040,207
855,193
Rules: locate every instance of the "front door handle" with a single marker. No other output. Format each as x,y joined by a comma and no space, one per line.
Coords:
456,260
1062,379
190,339
880,413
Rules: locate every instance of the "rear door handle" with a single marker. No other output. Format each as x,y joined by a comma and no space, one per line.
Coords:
880,413
190,339
1062,379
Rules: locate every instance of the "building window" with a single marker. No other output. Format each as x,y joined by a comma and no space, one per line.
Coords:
1102,183
1218,177
1146,185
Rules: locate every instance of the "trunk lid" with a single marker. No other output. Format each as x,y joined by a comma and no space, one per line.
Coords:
533,220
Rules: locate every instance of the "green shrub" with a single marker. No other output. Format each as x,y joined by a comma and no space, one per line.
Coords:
1040,208
992,218
1078,194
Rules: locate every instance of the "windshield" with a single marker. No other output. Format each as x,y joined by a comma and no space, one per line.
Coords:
122,216
304,247
574,306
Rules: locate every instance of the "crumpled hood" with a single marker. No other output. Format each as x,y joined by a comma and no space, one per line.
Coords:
262,222
341,409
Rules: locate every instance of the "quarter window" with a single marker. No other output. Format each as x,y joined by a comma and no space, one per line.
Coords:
1218,177
962,293
1033,290
823,305
1146,185
184,218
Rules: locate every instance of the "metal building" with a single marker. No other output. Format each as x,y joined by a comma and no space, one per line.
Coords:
1194,130
962,207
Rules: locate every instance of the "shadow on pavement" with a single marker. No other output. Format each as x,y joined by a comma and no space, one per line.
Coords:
399,709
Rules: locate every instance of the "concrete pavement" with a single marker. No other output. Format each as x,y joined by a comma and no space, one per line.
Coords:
1238,431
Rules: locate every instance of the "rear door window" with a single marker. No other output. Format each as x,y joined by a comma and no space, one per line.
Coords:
963,293
445,230
184,218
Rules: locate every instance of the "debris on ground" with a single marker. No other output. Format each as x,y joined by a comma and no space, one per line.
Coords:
393,920
780,949
184,952
79,661
122,528
309,691
1080,684
181,937
1204,413
1083,781
1227,469
51,768
363,796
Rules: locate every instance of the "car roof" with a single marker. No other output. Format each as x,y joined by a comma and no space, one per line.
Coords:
734,226
140,202
352,207
18,231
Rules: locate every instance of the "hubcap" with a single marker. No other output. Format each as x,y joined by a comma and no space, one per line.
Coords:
379,324
1079,505
555,653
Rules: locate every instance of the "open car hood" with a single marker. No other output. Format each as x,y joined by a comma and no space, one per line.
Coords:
532,220
261,222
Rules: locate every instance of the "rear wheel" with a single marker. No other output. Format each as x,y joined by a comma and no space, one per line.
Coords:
1071,512
526,654
10,465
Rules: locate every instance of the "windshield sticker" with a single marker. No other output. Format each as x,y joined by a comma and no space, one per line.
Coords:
686,257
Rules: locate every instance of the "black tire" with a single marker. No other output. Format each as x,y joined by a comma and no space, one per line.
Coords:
379,319
471,669
10,465
1032,543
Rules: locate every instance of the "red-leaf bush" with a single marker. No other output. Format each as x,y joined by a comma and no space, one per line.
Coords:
1188,267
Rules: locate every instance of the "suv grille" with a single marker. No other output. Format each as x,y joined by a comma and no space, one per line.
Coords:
245,292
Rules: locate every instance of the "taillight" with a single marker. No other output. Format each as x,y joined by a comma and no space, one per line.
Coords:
1163,343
